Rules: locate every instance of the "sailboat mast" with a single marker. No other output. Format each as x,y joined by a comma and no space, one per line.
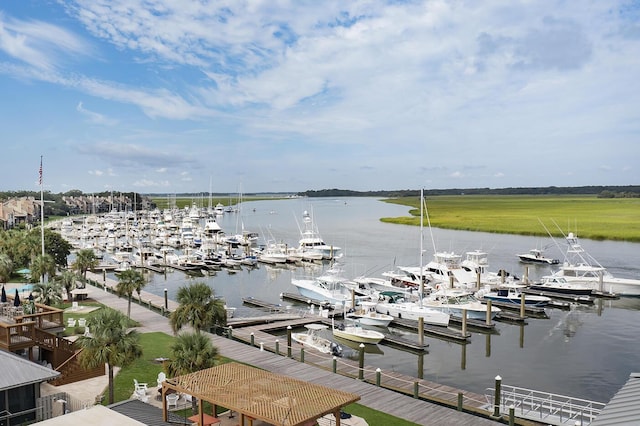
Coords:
421,239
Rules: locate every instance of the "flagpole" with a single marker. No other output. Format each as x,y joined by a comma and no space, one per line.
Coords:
41,209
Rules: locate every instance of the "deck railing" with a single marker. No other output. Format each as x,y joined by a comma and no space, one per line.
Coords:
547,407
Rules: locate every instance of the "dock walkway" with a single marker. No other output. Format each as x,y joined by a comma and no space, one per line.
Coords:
395,403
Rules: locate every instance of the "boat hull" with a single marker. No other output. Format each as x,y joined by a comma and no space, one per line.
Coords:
577,291
414,312
359,335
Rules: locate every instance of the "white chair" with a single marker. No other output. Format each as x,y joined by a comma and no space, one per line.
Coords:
74,306
82,322
71,322
140,387
161,378
172,400
141,395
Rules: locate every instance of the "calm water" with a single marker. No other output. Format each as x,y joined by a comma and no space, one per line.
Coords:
587,352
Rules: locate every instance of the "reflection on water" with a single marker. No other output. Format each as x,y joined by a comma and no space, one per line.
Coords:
586,352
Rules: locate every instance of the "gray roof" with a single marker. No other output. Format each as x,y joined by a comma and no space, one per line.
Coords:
624,407
147,413
19,371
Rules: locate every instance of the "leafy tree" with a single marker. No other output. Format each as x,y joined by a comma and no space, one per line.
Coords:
109,342
85,259
41,266
48,293
197,307
67,280
191,352
20,246
6,267
56,246
128,282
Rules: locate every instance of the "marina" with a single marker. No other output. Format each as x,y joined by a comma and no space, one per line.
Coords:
550,347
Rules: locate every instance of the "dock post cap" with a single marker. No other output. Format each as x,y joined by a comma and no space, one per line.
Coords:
378,370
498,377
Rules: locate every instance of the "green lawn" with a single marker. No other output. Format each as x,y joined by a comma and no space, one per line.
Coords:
587,216
156,345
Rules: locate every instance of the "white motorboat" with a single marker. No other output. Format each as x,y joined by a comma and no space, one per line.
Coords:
580,268
311,241
312,339
366,314
537,256
393,303
558,284
455,301
328,287
356,333
513,293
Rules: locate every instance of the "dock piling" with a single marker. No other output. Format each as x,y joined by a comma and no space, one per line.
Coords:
496,398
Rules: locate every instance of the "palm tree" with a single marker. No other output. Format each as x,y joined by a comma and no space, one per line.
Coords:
198,308
6,267
42,265
128,282
110,342
49,293
191,352
67,279
85,260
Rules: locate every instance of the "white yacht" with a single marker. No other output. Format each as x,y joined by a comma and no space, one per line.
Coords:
580,267
310,239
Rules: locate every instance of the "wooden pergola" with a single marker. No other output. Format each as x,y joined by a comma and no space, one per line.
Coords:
257,394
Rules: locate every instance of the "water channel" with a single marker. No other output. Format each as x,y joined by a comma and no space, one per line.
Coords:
585,352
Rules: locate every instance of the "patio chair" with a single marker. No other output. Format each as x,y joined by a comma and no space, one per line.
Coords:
172,400
141,395
82,322
161,378
140,387
71,322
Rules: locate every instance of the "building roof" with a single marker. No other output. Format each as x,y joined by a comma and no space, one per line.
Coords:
624,407
18,371
96,415
145,413
262,395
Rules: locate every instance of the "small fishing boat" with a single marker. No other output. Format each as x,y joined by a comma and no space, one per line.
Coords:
366,314
312,339
512,293
536,256
356,333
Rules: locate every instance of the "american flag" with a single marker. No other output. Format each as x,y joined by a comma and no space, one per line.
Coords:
40,173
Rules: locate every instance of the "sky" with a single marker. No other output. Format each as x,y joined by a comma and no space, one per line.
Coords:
175,96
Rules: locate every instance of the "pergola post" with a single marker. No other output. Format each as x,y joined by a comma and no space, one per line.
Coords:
164,403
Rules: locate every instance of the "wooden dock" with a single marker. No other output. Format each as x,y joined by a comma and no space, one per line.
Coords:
413,399
395,394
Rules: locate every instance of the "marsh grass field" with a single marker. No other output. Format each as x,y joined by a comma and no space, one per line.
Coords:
587,216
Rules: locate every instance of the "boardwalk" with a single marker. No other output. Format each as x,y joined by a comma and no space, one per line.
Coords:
375,397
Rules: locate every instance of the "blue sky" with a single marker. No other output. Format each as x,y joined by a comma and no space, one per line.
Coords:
173,96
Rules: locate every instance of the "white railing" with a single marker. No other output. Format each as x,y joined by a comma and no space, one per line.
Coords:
550,408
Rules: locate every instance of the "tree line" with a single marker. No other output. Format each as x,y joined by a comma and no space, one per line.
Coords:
630,191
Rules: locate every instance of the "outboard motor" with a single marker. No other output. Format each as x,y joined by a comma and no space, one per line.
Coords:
336,349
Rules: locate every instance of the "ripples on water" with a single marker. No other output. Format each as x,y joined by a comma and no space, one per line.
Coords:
587,352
